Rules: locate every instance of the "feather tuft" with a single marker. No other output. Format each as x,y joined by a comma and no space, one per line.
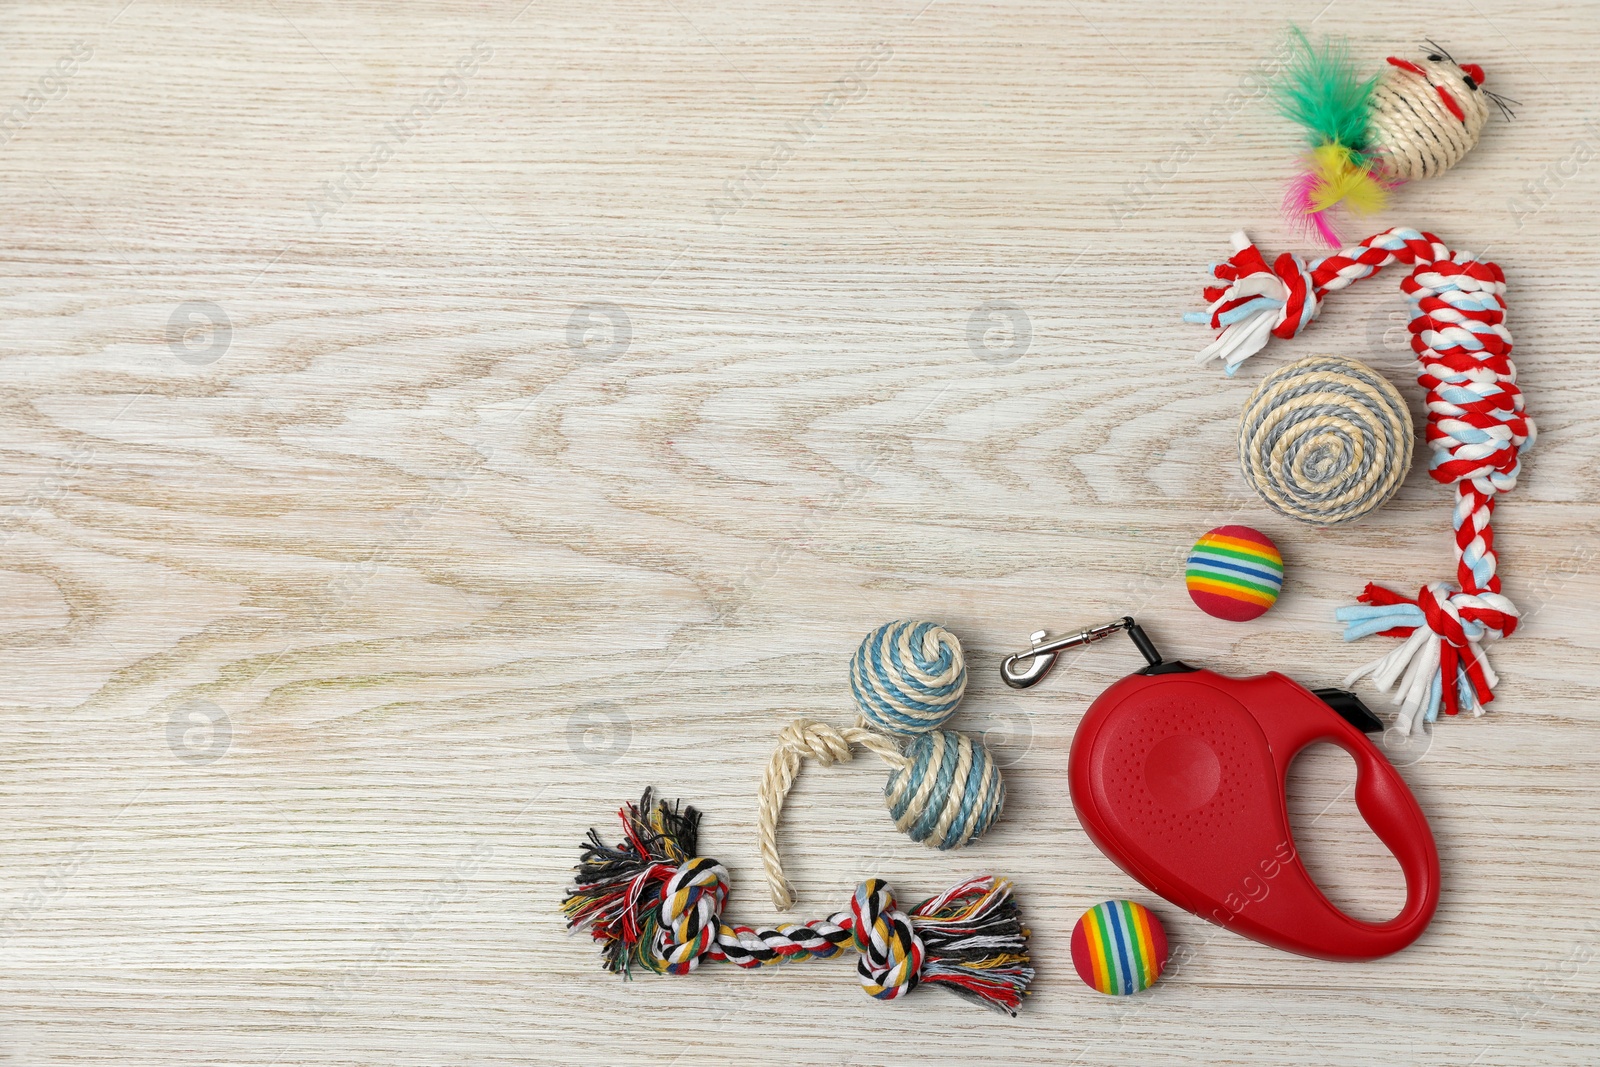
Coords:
1342,177
1300,209
1322,91
1333,175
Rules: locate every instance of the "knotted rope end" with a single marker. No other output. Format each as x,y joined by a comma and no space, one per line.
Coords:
1253,302
1441,666
617,893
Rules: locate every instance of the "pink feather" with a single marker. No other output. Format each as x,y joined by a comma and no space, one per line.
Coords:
1301,211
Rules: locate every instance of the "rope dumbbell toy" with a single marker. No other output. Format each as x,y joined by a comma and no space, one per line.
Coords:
944,789
1476,427
1325,440
653,903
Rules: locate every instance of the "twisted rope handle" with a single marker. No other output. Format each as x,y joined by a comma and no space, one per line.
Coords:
1477,425
825,744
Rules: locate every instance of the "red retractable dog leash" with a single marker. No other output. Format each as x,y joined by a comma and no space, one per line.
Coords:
1179,776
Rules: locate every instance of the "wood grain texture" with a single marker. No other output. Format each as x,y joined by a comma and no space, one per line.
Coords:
424,427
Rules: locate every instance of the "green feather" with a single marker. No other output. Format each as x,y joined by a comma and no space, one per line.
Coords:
1322,91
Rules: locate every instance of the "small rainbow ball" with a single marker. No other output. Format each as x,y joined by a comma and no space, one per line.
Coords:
1119,947
1234,573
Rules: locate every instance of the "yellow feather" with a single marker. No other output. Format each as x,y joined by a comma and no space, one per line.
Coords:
1341,178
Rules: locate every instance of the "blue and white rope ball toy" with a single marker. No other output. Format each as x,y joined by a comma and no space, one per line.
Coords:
944,788
907,677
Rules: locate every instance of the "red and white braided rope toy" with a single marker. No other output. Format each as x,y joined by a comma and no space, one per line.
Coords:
1476,428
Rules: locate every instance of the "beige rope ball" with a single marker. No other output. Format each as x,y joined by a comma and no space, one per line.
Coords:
1325,440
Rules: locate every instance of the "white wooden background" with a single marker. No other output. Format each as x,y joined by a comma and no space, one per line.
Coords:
425,426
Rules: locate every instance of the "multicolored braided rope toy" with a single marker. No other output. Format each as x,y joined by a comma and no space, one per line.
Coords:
1414,119
1476,427
652,903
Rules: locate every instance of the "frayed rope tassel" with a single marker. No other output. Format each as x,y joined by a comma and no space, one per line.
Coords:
652,903
1440,645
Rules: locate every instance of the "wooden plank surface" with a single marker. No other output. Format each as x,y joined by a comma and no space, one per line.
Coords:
424,427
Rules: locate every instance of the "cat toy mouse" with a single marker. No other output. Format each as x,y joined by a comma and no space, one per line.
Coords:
1415,118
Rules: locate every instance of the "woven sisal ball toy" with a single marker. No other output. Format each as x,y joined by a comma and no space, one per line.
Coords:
908,676
944,789
948,792
1325,440
654,904
1415,118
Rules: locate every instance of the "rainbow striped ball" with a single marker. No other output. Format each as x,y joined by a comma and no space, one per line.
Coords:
1234,573
1119,947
